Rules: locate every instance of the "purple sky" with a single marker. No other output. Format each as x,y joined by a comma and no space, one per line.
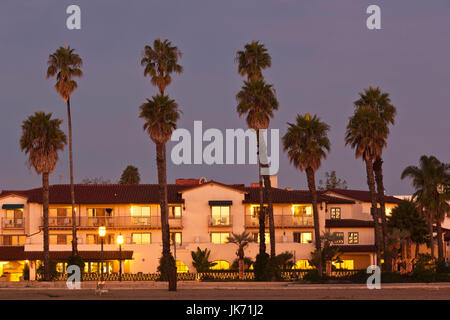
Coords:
322,56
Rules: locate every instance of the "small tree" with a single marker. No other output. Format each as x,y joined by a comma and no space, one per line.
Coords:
130,176
201,261
248,262
242,241
329,253
96,180
332,182
285,260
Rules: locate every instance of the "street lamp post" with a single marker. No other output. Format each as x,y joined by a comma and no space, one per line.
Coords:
101,233
120,242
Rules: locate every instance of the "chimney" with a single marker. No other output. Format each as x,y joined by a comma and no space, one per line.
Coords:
274,181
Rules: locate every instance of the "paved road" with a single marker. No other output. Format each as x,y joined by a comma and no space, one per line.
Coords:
425,293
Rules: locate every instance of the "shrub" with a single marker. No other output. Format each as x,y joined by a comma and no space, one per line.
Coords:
26,272
200,260
78,261
391,277
248,262
261,267
53,272
314,276
166,265
360,276
442,267
423,275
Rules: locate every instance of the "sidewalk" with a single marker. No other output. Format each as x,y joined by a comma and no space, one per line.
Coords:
138,285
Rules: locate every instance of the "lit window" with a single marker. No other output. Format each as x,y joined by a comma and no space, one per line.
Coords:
303,237
141,238
302,265
254,210
339,238
219,237
137,211
344,265
181,267
13,240
353,237
221,265
220,215
178,238
301,210
266,237
388,212
60,239
335,213
174,212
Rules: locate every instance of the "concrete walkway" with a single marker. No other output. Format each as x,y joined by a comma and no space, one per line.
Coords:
146,285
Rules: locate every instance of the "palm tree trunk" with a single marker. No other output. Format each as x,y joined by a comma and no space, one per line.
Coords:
162,183
416,253
312,189
72,188
262,212
45,202
408,255
440,242
378,170
268,189
430,229
241,269
374,210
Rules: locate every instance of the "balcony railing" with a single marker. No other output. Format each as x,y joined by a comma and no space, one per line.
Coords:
149,222
59,221
281,221
224,221
16,223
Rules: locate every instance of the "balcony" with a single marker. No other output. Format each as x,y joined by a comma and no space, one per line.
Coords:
16,223
218,221
59,221
138,222
281,221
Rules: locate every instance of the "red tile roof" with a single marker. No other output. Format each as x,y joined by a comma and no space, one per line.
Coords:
356,248
348,223
13,253
291,196
103,193
361,195
149,193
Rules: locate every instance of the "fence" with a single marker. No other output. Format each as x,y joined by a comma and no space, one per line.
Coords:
205,276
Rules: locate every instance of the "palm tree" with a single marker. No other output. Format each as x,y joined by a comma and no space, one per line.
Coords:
200,260
41,140
160,62
381,102
161,115
251,61
367,133
406,217
66,64
257,100
242,241
130,176
306,142
432,183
